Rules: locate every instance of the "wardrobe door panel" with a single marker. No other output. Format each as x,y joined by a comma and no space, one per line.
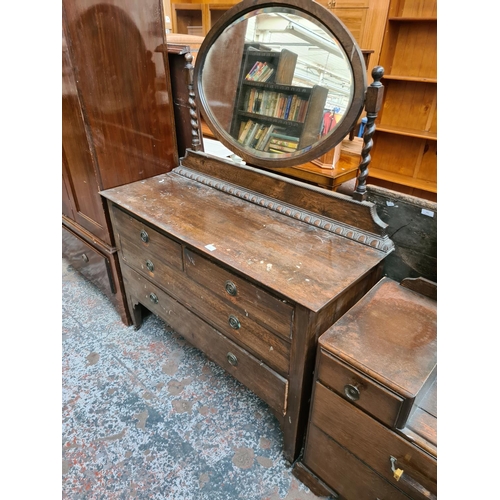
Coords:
81,199
122,86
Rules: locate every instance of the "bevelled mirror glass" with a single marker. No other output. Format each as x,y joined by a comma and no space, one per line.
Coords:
280,83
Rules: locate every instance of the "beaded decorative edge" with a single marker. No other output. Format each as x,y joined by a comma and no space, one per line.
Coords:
380,243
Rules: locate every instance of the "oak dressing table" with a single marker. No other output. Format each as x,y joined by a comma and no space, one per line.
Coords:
248,266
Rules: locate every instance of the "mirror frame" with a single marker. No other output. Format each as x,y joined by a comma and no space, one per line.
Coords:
328,21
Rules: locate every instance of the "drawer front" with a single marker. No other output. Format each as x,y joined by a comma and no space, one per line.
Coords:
372,397
155,244
251,372
343,472
88,261
251,300
267,346
373,443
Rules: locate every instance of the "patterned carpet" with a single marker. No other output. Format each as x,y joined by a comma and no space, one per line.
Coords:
146,415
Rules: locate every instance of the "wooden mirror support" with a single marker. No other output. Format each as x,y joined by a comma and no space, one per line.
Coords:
374,97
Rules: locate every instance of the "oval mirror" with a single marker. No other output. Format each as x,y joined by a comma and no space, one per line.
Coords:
280,82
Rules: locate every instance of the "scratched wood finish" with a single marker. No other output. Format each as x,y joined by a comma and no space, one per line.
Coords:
370,441
87,260
123,87
305,264
382,404
157,246
259,378
108,277
347,475
250,299
271,268
421,427
316,200
259,340
308,327
399,352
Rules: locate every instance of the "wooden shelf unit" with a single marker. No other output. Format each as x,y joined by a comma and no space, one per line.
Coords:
305,128
188,16
404,152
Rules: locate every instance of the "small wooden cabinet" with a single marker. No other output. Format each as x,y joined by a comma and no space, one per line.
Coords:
373,419
404,153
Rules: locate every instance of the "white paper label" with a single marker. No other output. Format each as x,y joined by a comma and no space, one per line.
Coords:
429,213
210,247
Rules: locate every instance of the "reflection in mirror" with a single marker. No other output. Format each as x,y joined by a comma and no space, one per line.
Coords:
288,86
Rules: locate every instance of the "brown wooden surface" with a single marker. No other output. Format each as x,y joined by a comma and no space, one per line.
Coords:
317,201
217,83
158,246
122,86
184,110
422,286
118,122
369,440
306,264
404,153
421,427
267,384
107,278
376,400
83,205
253,301
88,261
252,335
391,335
312,481
343,472
286,67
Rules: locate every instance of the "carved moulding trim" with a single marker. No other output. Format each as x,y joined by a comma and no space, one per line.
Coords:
380,243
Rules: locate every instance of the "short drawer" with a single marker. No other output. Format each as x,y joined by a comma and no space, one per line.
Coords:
250,371
343,472
359,390
374,444
158,246
258,304
88,261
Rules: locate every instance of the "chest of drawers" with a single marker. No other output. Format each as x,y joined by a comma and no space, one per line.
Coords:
373,418
253,288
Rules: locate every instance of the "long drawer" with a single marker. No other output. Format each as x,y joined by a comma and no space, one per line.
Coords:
374,443
250,371
222,315
343,472
88,261
248,298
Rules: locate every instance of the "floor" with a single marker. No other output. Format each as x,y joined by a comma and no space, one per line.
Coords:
146,415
